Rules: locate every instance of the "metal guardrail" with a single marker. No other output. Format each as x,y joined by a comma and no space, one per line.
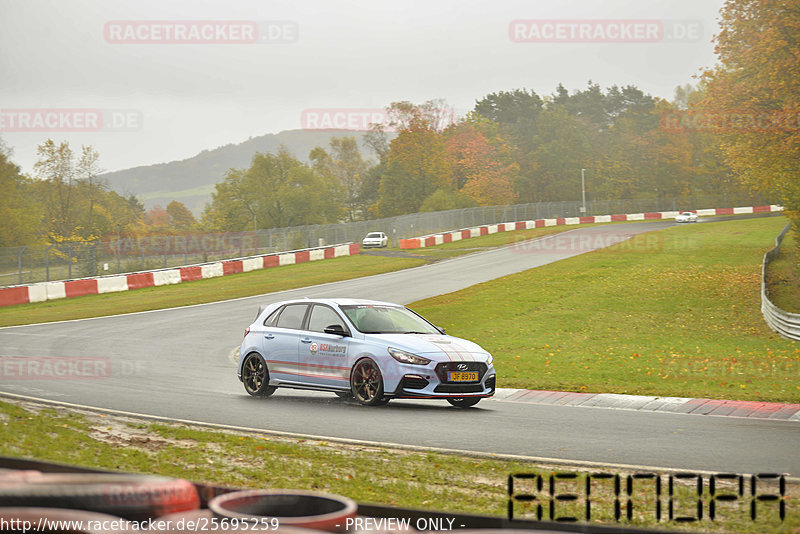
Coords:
784,323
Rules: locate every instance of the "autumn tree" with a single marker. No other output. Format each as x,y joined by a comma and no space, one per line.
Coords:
345,167
476,169
180,218
277,191
20,213
415,169
78,206
562,149
757,80
434,115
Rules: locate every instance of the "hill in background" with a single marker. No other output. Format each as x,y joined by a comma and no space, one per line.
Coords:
192,180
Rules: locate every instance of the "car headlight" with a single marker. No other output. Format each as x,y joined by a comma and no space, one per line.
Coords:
489,360
406,357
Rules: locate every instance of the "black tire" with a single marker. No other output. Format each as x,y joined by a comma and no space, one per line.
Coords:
346,395
464,402
366,383
255,376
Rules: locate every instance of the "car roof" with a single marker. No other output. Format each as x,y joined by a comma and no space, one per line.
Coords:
269,308
335,302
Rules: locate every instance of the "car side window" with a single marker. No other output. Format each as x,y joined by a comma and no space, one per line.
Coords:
292,316
273,317
323,317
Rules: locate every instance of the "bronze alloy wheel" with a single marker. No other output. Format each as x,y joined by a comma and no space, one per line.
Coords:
256,377
367,383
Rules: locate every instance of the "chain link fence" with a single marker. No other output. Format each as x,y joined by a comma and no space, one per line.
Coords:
124,254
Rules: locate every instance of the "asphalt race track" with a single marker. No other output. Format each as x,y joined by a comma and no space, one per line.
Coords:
176,363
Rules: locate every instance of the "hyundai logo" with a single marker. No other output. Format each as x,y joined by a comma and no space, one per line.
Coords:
462,366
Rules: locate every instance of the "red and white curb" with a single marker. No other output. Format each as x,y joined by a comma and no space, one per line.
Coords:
43,291
448,237
683,405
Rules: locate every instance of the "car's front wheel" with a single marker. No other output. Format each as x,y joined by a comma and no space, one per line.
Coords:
465,402
366,383
255,376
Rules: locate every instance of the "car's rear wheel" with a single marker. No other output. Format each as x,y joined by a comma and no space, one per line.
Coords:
465,402
366,383
255,376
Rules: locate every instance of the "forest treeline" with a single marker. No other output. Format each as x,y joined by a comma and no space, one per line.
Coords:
736,130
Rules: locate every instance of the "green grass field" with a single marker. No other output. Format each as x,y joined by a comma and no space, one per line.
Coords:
783,275
677,316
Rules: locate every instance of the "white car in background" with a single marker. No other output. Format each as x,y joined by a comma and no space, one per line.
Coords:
686,216
375,239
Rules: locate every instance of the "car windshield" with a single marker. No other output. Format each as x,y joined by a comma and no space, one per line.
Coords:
374,234
387,320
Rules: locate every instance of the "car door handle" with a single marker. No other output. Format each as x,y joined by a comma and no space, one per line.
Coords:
306,340
269,336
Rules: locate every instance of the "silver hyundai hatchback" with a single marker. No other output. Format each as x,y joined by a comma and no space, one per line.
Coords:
367,350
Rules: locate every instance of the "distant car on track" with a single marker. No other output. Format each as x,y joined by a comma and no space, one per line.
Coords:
368,350
686,216
375,239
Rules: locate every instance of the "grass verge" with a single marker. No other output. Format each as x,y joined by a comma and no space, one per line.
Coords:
248,284
783,275
675,313
385,476
209,290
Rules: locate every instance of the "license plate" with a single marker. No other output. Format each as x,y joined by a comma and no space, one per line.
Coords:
461,376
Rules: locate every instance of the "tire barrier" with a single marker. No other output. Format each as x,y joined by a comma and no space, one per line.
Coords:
133,497
293,508
784,323
254,509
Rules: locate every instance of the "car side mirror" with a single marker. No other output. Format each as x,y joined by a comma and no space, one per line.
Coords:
440,329
336,330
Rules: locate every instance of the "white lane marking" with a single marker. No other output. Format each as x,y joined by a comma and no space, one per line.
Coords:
367,443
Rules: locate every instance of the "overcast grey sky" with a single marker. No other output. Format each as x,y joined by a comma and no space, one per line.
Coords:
179,99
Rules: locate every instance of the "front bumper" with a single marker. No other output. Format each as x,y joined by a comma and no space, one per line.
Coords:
435,385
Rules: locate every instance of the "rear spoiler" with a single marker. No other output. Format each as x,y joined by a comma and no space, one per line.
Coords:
260,309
